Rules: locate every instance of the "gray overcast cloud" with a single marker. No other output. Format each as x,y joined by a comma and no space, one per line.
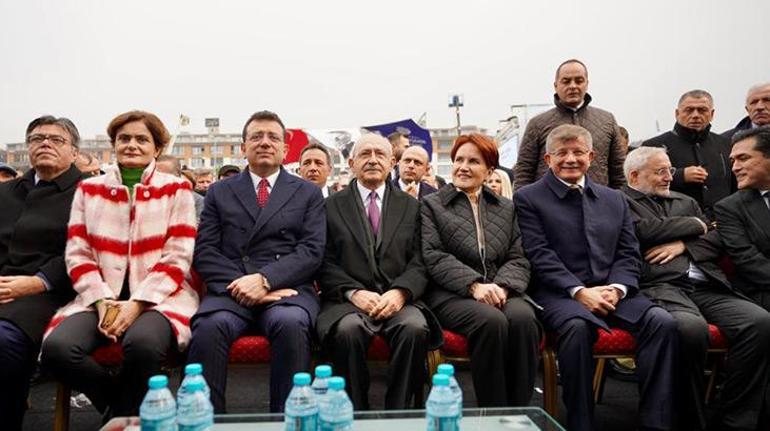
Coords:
354,63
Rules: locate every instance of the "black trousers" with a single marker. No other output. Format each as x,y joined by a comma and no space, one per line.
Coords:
503,346
17,362
657,346
406,333
147,345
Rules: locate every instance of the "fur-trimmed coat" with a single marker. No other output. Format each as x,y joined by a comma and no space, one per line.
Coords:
152,236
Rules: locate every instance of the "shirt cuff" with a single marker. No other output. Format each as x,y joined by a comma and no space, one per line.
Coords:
623,289
573,290
349,294
46,283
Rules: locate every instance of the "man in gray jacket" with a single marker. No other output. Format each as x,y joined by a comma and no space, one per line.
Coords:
571,99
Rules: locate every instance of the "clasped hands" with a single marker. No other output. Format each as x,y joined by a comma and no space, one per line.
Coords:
129,311
379,307
489,293
252,289
599,300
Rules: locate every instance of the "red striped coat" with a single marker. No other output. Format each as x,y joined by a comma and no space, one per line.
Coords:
153,239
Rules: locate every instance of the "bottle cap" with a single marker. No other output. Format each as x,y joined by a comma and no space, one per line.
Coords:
337,383
302,379
194,368
323,371
446,369
193,385
440,380
158,382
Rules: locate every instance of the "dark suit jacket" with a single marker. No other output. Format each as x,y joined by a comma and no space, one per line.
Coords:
283,241
450,247
33,235
353,262
743,223
425,189
578,240
674,218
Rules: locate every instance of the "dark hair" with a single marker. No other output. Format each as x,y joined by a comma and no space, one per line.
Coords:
762,134
174,161
158,131
263,116
190,176
486,146
316,146
63,122
566,62
696,94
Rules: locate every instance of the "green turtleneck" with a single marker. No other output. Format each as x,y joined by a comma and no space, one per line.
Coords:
131,177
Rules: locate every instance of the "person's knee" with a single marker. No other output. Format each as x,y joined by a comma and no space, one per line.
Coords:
145,348
348,329
56,352
693,330
577,327
662,321
522,317
291,322
211,327
414,330
760,325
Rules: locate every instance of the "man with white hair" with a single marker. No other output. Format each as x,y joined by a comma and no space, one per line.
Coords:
757,107
413,166
372,278
680,273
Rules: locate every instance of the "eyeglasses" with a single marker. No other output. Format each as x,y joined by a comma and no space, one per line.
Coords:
38,139
663,171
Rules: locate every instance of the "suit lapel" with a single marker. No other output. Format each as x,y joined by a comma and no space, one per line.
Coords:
758,211
283,190
243,189
394,212
351,216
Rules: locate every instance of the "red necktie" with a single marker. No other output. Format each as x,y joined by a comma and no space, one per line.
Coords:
262,193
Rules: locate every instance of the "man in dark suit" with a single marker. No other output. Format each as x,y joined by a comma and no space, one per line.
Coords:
681,274
758,110
372,279
412,167
33,277
743,219
260,240
315,165
579,238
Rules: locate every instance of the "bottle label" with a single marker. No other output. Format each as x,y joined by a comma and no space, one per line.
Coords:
167,424
196,427
302,423
443,424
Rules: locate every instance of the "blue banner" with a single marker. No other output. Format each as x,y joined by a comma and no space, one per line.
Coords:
416,134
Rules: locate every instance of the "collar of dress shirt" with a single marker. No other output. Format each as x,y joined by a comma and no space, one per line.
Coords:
364,192
270,179
581,182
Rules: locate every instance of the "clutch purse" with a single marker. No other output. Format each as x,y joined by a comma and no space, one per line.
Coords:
110,315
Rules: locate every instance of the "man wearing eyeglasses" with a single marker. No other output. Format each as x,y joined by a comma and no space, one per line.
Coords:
701,158
680,273
33,233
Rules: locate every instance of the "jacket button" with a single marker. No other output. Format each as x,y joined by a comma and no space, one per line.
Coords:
245,258
113,192
146,193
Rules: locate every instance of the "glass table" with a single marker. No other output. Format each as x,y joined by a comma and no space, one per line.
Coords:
490,419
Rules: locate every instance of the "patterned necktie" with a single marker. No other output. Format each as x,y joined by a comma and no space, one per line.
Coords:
373,213
262,193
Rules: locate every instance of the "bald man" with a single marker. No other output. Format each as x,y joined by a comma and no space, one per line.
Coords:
412,167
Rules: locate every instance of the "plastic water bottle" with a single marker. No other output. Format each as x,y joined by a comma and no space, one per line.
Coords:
195,410
192,373
158,409
321,382
301,409
336,410
441,408
449,370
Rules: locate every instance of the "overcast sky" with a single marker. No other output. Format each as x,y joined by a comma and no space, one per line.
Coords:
325,64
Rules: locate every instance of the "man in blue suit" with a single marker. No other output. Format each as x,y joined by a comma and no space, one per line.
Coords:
579,238
260,240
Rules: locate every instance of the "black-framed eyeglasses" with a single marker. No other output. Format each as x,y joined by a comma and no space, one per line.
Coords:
39,138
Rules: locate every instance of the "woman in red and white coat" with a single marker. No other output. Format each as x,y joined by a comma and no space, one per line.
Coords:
130,242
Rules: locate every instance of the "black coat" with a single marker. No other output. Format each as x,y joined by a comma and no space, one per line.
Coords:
33,235
686,147
353,260
743,223
451,252
742,125
665,219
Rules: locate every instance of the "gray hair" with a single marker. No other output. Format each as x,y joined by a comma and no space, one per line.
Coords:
202,172
696,94
567,132
756,87
637,159
63,122
372,138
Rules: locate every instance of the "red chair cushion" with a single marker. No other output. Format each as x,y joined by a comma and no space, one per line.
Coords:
378,350
110,355
615,342
254,349
717,339
455,345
